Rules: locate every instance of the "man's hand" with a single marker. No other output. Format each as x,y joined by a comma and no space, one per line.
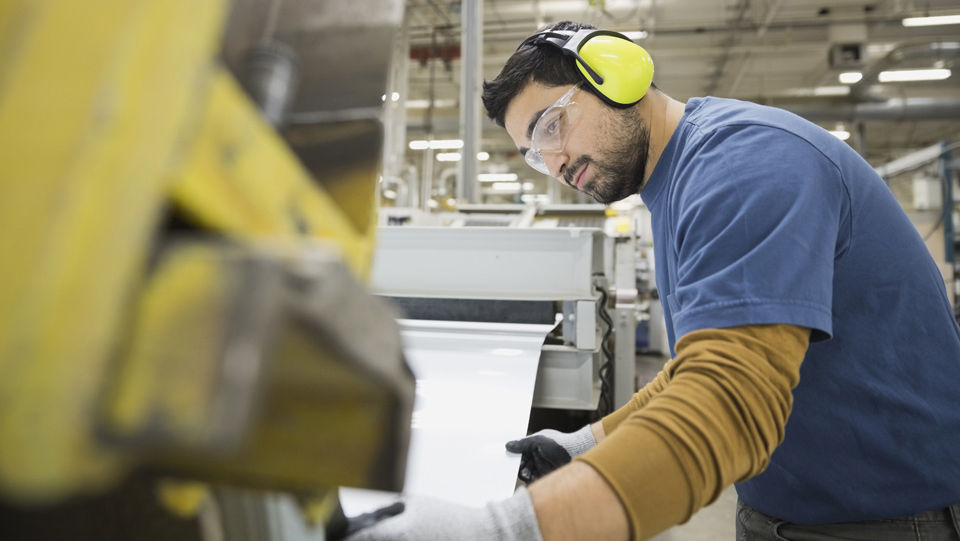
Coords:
426,519
548,449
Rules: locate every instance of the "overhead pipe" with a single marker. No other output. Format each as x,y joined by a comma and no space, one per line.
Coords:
946,49
891,109
861,106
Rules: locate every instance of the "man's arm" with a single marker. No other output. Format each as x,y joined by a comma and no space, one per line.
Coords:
640,399
598,432
541,457
576,503
717,422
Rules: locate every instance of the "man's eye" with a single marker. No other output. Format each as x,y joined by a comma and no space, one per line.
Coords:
554,125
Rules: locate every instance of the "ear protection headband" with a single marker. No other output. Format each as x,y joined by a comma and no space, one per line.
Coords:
617,68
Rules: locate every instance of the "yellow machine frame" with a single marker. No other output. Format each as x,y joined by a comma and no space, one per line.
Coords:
112,116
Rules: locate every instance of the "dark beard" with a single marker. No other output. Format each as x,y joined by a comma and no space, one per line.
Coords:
619,174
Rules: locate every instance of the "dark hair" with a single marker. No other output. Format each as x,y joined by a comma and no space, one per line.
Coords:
531,63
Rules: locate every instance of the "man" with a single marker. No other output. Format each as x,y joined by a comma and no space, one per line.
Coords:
793,286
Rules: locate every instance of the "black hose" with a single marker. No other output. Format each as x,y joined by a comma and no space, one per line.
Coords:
605,406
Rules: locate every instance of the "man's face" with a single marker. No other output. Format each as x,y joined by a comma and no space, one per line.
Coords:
605,150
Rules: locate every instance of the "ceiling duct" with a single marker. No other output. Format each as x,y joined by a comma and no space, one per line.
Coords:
896,109
937,50
862,106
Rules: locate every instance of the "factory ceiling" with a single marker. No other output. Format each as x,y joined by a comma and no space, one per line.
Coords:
788,53
770,51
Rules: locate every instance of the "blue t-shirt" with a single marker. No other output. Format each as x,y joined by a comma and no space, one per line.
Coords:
760,217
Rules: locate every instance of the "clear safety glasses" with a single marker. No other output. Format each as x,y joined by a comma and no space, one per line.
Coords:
552,129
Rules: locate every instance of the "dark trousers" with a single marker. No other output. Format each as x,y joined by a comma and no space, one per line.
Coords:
936,525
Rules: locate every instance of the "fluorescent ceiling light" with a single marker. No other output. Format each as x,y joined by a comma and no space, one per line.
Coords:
564,6
423,104
840,132
512,186
914,75
931,21
842,135
850,77
635,35
439,144
839,90
831,91
456,156
497,177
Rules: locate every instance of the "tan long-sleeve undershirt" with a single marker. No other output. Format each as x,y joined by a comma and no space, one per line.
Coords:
712,417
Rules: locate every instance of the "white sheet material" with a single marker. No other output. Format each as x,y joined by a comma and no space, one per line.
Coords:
474,391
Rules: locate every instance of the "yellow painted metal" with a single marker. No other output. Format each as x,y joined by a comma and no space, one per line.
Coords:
243,180
320,509
322,423
175,347
183,498
95,102
325,419
109,115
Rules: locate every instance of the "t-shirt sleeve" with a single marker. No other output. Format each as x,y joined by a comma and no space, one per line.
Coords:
756,219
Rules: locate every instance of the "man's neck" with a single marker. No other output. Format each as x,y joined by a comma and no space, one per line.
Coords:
663,115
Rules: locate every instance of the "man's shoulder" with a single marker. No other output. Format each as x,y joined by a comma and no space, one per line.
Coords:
724,116
740,146
745,132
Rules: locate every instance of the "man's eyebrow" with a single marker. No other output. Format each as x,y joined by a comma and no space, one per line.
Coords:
533,121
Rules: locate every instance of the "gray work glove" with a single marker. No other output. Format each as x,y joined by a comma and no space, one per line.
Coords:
427,519
548,449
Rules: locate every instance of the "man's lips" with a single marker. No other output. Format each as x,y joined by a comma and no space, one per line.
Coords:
578,182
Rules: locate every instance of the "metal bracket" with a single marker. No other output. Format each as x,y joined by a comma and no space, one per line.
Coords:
566,379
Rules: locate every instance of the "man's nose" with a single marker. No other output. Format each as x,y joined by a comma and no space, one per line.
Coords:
556,163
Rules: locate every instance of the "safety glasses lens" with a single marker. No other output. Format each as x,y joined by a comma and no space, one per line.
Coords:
552,129
535,160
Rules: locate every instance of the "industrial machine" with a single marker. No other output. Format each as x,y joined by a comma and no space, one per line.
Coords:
624,275
183,287
575,264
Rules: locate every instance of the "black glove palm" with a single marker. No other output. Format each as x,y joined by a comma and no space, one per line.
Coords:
540,456
341,526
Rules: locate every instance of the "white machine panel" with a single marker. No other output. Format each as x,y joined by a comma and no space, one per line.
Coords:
487,262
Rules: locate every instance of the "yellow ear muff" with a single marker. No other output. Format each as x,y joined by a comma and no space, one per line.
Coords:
626,68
